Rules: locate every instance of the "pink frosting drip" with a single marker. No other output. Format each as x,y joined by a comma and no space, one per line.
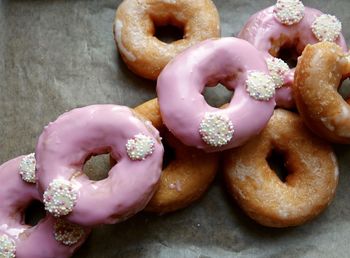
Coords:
66,143
262,28
15,197
225,60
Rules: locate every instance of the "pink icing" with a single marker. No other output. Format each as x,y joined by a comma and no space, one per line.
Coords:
225,60
263,27
65,144
31,242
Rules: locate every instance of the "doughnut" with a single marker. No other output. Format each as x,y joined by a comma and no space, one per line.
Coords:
309,187
236,64
289,24
50,237
187,177
74,137
319,73
135,26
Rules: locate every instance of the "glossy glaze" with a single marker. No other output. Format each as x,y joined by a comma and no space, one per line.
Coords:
67,143
225,60
31,242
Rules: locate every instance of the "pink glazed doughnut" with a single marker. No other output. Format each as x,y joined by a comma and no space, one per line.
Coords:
74,137
236,64
50,238
289,24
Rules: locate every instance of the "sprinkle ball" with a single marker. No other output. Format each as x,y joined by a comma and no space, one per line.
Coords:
260,86
216,129
67,233
60,197
326,28
27,168
139,147
7,247
278,70
289,12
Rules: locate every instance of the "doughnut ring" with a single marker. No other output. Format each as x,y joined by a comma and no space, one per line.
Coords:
309,188
289,24
134,30
187,177
67,143
319,73
50,237
236,64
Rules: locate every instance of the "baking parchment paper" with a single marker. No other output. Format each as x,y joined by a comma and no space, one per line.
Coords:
56,55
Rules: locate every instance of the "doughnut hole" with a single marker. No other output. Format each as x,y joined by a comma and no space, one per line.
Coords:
344,90
169,154
34,213
276,161
218,95
167,28
96,167
169,33
289,55
287,50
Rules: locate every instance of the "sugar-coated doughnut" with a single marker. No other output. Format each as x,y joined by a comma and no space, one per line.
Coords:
67,143
236,64
135,26
289,24
187,177
50,237
319,73
309,186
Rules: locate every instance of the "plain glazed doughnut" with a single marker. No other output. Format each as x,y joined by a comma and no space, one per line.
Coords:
311,182
289,24
134,30
67,143
236,64
187,177
50,237
319,73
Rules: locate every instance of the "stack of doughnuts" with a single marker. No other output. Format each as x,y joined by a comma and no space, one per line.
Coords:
248,130
243,134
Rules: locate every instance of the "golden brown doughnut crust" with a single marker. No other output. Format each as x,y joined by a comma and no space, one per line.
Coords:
319,73
187,177
134,30
310,184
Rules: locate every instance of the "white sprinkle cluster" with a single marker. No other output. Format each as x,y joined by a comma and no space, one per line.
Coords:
260,86
67,233
60,197
7,247
326,28
278,70
216,129
139,147
27,168
289,12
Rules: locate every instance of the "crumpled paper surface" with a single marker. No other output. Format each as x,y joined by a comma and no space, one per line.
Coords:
57,55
